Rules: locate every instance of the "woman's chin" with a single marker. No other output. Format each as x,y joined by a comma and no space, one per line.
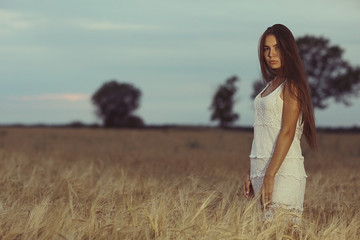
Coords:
275,67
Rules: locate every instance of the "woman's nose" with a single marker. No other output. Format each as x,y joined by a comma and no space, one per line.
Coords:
271,53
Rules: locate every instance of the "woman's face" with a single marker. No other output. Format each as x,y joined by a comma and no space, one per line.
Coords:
272,53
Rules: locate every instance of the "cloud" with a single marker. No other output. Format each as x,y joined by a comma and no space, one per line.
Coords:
13,20
69,97
115,26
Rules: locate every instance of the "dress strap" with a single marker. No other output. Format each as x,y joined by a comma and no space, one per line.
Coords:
266,86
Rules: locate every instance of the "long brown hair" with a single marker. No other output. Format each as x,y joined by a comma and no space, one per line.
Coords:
293,71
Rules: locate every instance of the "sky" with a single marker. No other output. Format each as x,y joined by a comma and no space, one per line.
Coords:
56,54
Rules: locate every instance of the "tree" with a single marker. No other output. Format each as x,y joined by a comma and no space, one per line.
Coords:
258,85
222,103
328,74
116,103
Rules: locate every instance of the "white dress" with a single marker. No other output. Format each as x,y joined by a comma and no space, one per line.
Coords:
290,180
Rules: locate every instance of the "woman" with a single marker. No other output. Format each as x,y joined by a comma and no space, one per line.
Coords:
283,111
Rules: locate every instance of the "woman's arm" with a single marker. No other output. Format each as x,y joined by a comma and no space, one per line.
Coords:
290,115
248,190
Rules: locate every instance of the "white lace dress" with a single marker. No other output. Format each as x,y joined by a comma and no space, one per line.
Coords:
290,180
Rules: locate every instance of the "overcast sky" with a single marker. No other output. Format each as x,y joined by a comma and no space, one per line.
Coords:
56,54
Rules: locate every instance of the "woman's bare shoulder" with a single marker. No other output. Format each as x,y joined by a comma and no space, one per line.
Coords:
290,91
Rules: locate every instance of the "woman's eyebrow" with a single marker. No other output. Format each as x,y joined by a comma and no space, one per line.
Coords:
276,45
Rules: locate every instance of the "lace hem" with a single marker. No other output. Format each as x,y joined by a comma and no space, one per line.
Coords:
292,214
287,208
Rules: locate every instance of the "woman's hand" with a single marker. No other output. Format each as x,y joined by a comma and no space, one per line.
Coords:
247,188
266,191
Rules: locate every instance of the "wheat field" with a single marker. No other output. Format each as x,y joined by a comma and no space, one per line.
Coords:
162,184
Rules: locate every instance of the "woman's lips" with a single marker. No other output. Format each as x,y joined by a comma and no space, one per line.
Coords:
273,62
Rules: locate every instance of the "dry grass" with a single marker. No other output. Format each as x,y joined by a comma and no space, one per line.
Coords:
161,184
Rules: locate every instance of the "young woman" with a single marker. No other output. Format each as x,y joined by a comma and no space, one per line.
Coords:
283,111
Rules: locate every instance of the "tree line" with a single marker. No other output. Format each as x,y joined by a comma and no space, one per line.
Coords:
329,76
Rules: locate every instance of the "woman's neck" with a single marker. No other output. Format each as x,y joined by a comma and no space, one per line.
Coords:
279,74
277,80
